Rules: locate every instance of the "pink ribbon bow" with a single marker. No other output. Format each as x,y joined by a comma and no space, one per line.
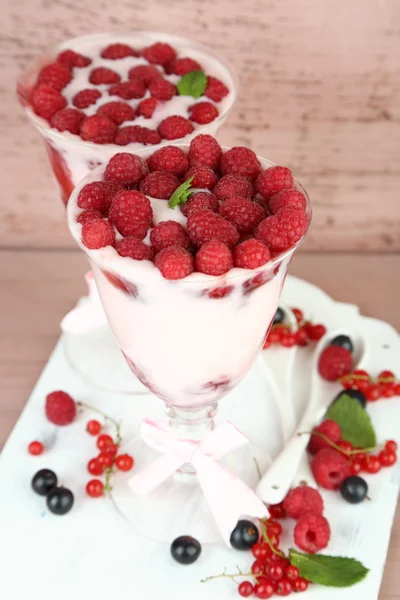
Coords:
228,497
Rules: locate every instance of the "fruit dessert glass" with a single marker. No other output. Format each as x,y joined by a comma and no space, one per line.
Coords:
190,280
93,94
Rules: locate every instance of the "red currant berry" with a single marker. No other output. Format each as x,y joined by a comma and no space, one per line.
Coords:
288,340
391,446
386,375
276,511
348,382
316,332
274,336
298,314
124,462
95,488
356,467
387,458
93,427
275,571
264,588
103,441
284,588
292,573
387,390
258,567
301,337
35,448
267,344
397,389
300,585
95,467
345,446
105,459
245,589
372,464
261,550
111,449
273,528
373,392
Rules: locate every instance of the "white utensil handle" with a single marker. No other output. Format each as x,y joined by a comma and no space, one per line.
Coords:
304,474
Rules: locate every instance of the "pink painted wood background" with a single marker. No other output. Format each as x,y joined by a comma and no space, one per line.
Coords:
320,91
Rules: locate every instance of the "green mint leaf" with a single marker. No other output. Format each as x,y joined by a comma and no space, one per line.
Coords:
333,571
181,194
354,422
192,84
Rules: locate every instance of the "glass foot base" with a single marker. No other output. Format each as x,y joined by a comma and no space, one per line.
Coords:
178,507
97,359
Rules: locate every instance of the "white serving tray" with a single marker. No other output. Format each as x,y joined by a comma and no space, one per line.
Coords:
93,553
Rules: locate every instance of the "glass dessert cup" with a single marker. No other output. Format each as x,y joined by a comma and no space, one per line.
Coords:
190,341
71,159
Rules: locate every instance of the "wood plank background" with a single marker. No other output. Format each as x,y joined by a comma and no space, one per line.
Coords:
320,91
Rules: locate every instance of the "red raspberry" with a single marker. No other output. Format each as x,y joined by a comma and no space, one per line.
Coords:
203,112
204,151
60,408
334,362
128,90
283,230
97,233
251,254
291,197
117,51
118,112
230,186
328,428
98,195
146,108
302,500
243,213
159,54
137,134
98,129
214,258
200,201
55,75
204,225
161,89
86,98
146,73
88,215
71,59
203,177
46,101
67,119
312,533
215,90
102,75
274,180
134,248
125,168
330,468
175,127
240,161
131,213
168,233
169,158
174,262
159,184
181,66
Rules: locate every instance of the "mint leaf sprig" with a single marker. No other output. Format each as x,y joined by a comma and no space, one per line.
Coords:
192,84
331,571
354,422
181,194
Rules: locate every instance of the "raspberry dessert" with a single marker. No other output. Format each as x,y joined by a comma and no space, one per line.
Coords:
189,294
95,94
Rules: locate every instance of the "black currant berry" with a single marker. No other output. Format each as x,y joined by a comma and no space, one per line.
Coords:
60,500
185,550
44,481
355,394
344,342
354,489
279,316
244,536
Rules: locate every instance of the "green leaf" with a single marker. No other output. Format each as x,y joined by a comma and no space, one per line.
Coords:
181,194
354,422
192,84
333,571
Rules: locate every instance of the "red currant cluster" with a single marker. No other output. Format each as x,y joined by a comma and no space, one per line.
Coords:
361,461
107,460
384,386
285,335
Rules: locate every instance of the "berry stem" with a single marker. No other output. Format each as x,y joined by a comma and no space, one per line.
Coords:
266,538
333,445
106,418
229,575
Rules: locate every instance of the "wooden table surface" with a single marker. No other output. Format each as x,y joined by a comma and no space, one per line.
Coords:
37,287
